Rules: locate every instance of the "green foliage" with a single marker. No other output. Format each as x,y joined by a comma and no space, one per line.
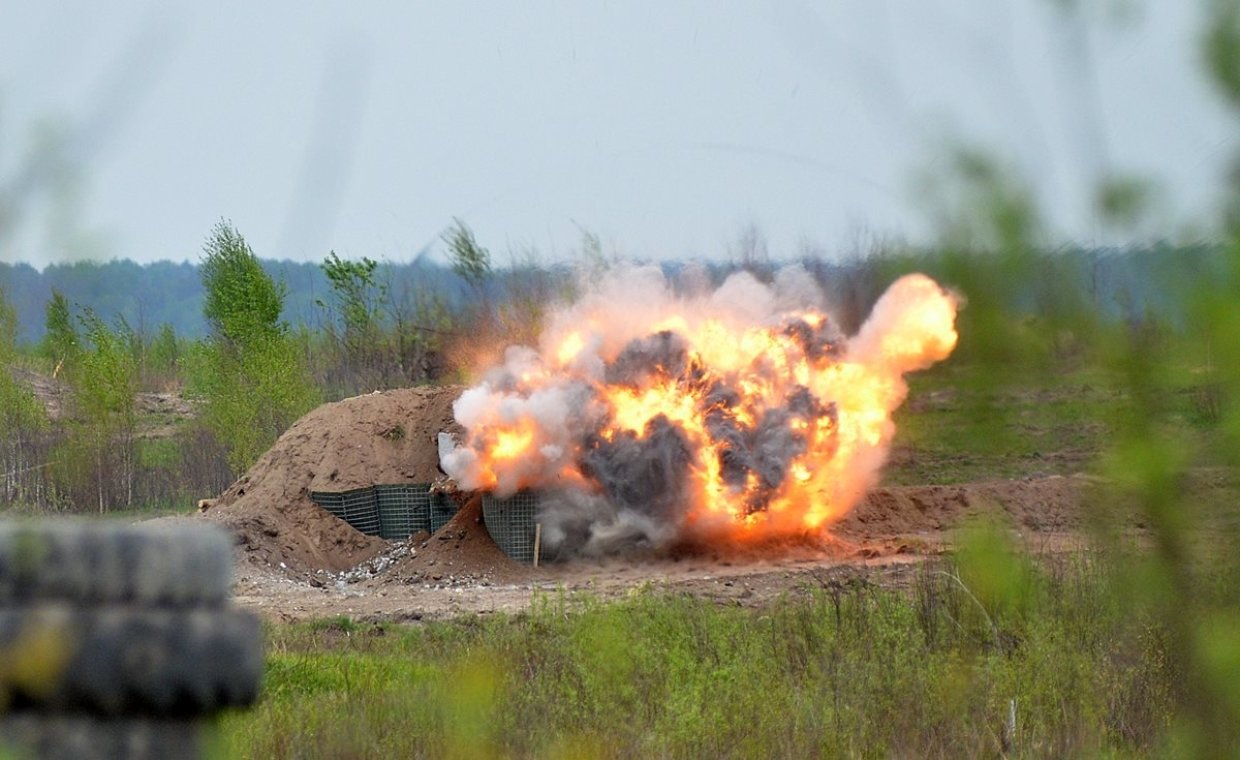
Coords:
8,330
249,374
992,569
250,397
95,455
20,411
469,260
422,323
159,454
1123,201
358,297
164,352
1221,47
1162,405
374,337
357,305
242,303
981,204
60,342
104,379
854,670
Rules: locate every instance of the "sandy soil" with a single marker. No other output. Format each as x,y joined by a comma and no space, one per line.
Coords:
460,571
368,593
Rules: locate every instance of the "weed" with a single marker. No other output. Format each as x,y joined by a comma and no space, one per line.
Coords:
854,669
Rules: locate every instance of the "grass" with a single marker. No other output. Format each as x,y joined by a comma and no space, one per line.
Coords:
960,426
1111,652
140,512
855,669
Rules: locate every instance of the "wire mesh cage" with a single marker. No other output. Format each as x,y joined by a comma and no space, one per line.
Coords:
511,523
357,507
443,507
404,509
331,501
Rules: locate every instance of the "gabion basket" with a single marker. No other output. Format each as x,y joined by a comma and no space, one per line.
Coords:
443,507
357,507
511,523
403,510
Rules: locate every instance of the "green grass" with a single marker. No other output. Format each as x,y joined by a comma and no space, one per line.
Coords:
853,670
141,512
1111,652
959,425
158,453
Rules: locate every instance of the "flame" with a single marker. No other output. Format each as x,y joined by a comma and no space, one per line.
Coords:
733,392
570,348
510,444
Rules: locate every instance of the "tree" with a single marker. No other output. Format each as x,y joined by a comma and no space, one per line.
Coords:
60,343
750,251
470,260
472,263
21,414
243,303
363,354
356,304
105,383
248,373
163,354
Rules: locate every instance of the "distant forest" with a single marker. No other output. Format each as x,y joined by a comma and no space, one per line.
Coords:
1125,283
96,336
149,296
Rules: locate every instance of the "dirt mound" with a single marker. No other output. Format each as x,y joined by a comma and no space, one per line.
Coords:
461,553
1043,504
382,437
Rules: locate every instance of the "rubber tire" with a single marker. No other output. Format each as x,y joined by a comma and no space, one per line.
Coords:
101,563
84,737
122,660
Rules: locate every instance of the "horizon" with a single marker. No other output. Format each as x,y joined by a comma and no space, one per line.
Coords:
1144,273
729,260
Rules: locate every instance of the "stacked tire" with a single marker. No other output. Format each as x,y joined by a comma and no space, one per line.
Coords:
118,641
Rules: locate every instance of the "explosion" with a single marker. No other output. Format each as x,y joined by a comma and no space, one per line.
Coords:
646,415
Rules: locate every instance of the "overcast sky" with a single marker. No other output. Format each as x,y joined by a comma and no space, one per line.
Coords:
664,127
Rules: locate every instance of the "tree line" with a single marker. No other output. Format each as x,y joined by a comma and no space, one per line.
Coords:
252,369
151,295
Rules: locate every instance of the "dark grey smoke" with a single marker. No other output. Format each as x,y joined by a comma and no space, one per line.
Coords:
579,522
646,474
663,355
775,444
819,342
735,461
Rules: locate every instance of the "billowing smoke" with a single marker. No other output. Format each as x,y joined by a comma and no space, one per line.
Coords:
645,416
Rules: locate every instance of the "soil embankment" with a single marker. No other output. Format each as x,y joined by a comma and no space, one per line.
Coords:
382,437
